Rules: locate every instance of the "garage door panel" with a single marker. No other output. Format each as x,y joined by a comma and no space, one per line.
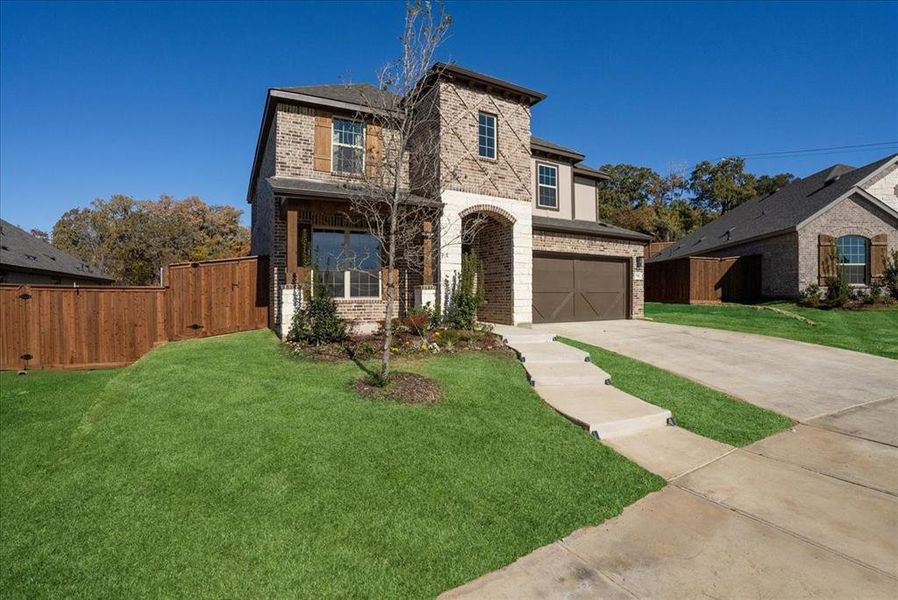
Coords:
603,305
579,288
553,306
553,275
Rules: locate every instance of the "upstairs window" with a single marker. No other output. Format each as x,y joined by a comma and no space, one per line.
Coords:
486,137
348,147
853,258
547,186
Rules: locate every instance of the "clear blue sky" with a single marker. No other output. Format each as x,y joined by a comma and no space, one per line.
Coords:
150,99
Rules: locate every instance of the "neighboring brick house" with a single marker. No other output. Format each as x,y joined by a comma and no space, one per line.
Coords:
841,218
26,259
545,253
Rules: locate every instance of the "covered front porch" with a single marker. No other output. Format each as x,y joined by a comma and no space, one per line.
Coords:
325,242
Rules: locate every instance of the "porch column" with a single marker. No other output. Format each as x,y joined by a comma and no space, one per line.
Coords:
426,292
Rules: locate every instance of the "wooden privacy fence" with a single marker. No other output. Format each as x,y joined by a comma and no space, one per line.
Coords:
60,327
697,280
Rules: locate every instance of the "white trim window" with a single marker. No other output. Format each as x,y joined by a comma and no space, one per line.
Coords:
348,146
854,255
347,262
486,135
547,186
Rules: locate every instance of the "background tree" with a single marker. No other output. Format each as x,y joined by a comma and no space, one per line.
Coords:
132,239
723,185
767,184
41,235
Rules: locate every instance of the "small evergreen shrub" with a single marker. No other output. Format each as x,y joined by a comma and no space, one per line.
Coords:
890,274
317,322
838,292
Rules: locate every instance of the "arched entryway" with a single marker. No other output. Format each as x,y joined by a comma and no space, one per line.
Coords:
488,231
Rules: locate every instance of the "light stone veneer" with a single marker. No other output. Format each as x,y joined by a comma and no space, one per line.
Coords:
885,186
455,202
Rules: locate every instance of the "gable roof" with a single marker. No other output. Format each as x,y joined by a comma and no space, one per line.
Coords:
21,250
361,94
782,211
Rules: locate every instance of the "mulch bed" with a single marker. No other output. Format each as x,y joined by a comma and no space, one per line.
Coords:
406,388
405,345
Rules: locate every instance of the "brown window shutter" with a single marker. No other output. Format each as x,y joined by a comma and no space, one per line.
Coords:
879,246
322,161
827,262
374,149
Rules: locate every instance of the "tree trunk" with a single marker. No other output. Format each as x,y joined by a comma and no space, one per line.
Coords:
388,312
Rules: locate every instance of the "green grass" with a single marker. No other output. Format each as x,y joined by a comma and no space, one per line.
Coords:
697,408
874,331
222,468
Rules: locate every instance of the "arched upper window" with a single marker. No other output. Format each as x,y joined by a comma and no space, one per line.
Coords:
854,258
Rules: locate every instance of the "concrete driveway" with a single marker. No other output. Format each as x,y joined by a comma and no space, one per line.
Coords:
807,513
801,381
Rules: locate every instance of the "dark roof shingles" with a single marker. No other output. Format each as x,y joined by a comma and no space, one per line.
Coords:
780,211
18,248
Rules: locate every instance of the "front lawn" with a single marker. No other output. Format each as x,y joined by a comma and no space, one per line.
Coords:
697,408
222,468
874,330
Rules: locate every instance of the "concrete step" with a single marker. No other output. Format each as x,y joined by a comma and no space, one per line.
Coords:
565,374
604,410
514,338
550,352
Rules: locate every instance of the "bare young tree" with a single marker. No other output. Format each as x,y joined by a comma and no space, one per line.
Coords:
401,122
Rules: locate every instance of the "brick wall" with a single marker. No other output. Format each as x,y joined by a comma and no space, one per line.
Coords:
461,168
583,244
852,216
295,134
779,263
494,249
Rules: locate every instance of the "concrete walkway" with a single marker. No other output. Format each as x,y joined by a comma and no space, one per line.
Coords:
808,513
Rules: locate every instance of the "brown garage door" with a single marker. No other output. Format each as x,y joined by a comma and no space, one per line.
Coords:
579,288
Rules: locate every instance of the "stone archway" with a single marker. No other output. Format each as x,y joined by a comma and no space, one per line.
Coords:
488,231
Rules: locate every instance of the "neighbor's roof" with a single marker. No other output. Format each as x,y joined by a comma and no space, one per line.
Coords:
588,227
779,212
21,250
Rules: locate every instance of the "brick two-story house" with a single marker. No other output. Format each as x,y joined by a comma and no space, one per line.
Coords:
545,253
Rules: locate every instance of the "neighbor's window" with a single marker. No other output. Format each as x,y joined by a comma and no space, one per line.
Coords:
347,262
853,257
348,146
486,138
547,188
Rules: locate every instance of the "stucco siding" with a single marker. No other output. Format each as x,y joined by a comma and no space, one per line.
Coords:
565,202
584,199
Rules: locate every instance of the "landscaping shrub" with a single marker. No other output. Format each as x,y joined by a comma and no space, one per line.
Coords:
838,292
810,296
317,322
890,274
464,297
419,320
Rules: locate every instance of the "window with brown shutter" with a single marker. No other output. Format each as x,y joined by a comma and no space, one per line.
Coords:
322,158
827,262
374,147
879,245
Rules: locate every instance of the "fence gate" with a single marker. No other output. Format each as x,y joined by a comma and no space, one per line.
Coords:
216,297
